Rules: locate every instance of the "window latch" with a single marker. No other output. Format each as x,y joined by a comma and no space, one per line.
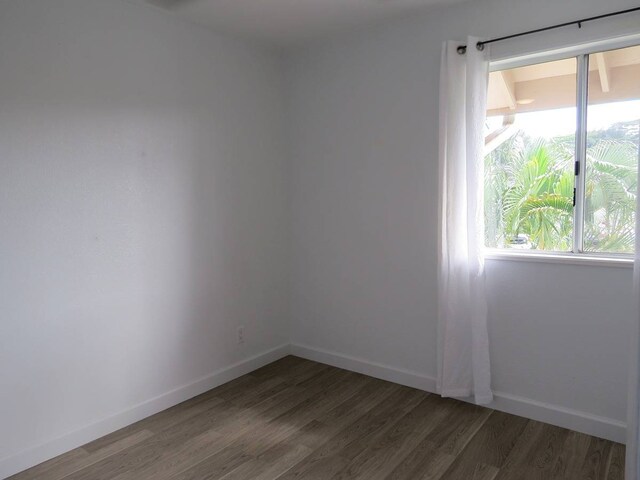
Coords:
577,170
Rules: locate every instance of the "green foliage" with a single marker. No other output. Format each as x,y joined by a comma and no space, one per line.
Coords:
529,192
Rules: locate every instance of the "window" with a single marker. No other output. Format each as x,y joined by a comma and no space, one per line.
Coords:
562,150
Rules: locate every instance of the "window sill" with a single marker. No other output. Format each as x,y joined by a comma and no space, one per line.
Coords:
560,258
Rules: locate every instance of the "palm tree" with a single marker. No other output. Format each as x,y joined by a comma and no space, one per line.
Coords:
529,194
611,196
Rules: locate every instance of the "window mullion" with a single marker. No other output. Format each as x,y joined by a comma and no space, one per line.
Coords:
581,153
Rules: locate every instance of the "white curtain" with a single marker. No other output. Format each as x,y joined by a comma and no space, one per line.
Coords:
463,343
632,464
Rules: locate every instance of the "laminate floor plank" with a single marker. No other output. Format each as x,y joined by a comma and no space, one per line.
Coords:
490,446
239,432
379,460
280,428
339,450
547,453
168,440
535,453
215,466
483,472
426,462
299,419
177,459
363,456
616,463
260,417
257,434
597,460
322,428
283,367
293,371
181,412
457,428
270,464
574,452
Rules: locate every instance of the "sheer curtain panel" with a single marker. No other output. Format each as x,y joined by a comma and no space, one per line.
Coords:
463,342
632,463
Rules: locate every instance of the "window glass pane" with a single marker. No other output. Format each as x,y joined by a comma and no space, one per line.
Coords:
613,122
530,146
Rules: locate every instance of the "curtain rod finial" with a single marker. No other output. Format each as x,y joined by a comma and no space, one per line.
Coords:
462,49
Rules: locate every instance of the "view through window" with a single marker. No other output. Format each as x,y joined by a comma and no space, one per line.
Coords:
561,166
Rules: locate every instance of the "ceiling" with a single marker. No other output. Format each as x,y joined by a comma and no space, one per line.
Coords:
550,85
289,22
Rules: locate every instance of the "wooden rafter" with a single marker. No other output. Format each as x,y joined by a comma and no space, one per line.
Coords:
604,71
508,87
501,135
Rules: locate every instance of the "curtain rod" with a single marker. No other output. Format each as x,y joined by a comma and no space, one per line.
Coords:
480,45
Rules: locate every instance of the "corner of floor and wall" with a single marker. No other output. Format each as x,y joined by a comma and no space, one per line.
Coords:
180,208
144,217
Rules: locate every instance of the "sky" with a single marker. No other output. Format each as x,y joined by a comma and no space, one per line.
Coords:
554,123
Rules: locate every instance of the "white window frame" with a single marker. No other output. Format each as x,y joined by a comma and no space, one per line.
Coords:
578,256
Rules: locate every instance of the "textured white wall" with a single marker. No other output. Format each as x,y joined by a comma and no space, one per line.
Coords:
143,210
364,117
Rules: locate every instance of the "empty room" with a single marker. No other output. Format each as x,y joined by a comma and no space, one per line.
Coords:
319,239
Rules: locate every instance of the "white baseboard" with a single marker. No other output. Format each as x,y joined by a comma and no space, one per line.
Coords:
52,448
579,421
583,422
377,370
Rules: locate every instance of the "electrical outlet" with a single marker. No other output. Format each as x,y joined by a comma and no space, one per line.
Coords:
240,335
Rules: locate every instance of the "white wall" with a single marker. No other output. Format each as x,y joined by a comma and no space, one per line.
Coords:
143,215
364,112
